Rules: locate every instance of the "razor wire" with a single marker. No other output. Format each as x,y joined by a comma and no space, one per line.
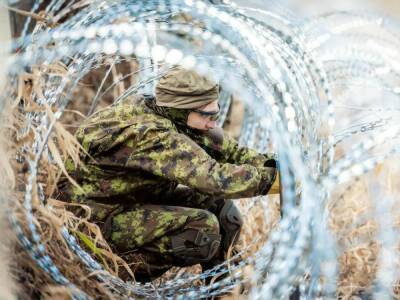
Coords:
285,71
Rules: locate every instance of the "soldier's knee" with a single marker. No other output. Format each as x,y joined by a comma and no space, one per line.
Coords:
231,222
199,241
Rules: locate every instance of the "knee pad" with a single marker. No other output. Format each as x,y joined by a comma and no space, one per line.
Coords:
231,223
194,246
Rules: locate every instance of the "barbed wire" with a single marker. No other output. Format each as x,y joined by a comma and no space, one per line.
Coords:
286,74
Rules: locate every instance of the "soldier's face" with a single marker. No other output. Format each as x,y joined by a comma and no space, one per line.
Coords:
203,122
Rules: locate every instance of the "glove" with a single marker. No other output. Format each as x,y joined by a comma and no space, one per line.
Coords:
270,173
276,186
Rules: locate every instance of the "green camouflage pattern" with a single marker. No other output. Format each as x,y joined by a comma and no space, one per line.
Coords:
135,152
129,232
138,157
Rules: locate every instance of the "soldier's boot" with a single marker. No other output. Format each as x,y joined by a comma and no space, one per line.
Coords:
231,222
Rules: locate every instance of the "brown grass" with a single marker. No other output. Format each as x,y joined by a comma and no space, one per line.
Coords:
353,222
50,217
7,184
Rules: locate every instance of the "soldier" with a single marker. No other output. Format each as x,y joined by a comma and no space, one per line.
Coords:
159,175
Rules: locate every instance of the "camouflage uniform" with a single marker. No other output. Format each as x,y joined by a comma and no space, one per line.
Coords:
138,154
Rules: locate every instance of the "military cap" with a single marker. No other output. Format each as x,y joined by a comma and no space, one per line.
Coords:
185,89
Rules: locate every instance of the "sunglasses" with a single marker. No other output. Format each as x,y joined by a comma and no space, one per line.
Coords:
212,115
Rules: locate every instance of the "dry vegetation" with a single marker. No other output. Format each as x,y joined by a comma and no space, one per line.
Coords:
50,217
353,220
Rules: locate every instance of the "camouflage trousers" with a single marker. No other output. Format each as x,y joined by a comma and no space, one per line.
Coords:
185,231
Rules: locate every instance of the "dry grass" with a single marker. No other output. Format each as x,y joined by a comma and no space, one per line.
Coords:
53,215
7,184
354,223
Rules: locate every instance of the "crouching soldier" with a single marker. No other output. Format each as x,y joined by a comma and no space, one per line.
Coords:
160,175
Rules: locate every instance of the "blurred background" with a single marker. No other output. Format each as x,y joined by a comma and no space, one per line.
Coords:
305,8
12,23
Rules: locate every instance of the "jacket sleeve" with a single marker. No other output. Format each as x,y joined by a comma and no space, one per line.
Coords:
226,149
238,154
176,157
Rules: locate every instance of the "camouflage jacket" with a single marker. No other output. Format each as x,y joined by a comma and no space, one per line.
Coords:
137,155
